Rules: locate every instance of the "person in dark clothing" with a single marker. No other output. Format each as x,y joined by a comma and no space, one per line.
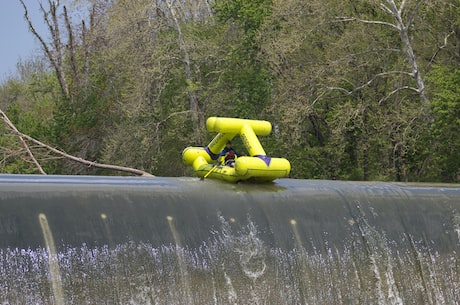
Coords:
229,154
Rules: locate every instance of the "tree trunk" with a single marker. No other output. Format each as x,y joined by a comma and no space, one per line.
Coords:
403,29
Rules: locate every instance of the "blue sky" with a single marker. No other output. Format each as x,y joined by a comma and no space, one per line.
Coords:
16,40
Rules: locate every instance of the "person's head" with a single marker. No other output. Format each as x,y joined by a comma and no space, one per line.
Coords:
229,144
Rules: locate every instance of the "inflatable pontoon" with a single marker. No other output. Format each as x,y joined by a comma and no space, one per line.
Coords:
255,167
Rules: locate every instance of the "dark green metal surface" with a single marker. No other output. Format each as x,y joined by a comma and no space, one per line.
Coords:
117,240
114,210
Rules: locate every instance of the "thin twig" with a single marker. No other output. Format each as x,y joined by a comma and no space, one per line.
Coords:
346,19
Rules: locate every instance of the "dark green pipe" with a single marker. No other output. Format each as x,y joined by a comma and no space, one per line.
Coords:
115,240
100,211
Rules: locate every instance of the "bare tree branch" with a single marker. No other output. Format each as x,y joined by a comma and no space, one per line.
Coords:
54,55
71,45
157,124
85,43
386,9
21,139
9,153
396,91
440,48
374,51
368,83
346,19
401,7
23,136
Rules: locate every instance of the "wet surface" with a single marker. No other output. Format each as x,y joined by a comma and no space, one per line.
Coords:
118,240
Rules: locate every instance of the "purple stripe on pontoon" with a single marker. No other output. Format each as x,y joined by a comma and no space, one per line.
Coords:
211,154
266,159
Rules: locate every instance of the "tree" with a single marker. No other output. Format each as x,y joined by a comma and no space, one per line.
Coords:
348,81
444,144
165,80
247,78
342,82
403,18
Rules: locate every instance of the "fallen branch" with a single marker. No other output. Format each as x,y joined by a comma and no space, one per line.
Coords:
21,139
23,136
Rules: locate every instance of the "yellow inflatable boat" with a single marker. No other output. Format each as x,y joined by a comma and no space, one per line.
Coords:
255,167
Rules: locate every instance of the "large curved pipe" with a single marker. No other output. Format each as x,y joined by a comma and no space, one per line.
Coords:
115,240
288,213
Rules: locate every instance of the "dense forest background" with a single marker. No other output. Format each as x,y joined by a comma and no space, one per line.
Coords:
355,90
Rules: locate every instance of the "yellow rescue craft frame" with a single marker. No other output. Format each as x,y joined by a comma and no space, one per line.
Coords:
256,167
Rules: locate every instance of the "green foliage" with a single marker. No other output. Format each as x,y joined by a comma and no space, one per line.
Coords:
444,141
251,90
247,77
30,107
248,14
337,91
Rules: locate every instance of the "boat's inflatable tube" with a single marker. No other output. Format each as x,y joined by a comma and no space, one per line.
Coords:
257,166
232,125
262,168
